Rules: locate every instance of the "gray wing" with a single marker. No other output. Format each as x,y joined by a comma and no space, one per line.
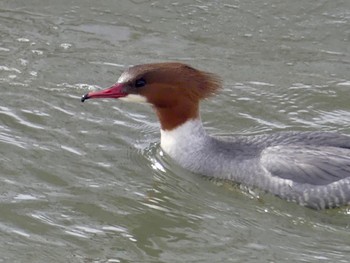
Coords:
315,165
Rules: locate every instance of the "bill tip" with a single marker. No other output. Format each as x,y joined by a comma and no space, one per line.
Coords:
84,97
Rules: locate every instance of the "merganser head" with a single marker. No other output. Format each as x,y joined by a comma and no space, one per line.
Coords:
174,89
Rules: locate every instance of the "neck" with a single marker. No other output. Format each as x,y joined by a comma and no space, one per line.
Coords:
183,138
172,117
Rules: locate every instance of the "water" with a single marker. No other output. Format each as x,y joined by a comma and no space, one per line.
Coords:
89,182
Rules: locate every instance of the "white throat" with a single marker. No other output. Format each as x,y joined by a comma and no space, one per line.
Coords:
183,141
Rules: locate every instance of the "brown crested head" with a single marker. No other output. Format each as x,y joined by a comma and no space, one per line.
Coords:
174,89
172,77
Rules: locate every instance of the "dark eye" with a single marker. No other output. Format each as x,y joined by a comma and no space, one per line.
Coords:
140,83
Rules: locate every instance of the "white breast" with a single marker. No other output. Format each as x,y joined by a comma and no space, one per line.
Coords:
185,143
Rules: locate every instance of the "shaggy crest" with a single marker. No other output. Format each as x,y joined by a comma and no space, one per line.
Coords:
197,84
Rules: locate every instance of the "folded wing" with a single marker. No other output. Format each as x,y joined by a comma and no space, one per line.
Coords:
313,165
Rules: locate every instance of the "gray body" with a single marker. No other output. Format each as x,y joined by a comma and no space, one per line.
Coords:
310,168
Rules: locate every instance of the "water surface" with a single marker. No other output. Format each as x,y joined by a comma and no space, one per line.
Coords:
89,182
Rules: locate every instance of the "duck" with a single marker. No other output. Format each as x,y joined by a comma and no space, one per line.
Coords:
310,168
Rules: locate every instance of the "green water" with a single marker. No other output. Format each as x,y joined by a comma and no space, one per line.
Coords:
89,182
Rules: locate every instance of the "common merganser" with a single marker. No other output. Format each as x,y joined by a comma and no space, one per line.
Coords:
309,168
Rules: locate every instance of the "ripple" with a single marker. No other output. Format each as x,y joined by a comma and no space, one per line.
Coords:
112,33
13,140
25,197
345,83
77,233
66,46
108,64
89,230
22,39
5,68
331,118
12,119
3,49
72,150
